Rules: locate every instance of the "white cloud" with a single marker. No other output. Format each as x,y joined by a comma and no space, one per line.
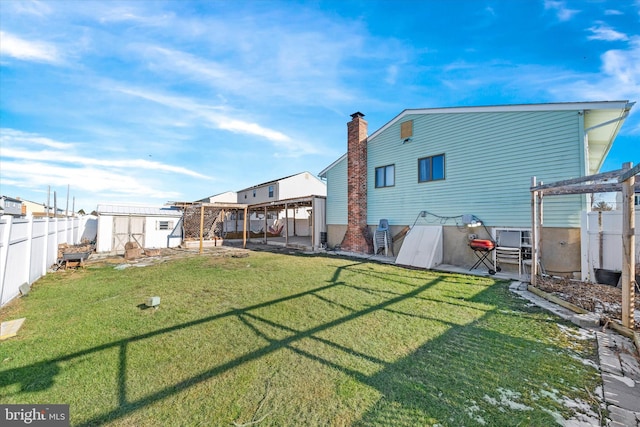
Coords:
112,14
16,137
30,7
392,74
23,146
559,7
214,115
624,66
31,162
88,179
612,12
602,31
25,50
619,77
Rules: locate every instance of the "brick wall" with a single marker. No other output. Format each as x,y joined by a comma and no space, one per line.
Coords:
357,238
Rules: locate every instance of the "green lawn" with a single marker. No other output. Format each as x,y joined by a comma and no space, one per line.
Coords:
285,340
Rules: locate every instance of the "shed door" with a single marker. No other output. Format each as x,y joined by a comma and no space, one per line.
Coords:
127,229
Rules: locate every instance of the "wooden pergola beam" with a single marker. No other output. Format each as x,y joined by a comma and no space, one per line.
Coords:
584,189
629,173
626,183
598,177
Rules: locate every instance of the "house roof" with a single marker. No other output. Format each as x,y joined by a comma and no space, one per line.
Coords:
206,199
603,120
273,181
11,199
137,210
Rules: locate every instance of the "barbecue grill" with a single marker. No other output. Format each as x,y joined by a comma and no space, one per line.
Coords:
482,249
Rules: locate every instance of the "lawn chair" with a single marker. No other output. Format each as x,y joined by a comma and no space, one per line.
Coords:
382,238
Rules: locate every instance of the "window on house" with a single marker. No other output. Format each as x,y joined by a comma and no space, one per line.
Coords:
385,176
431,168
271,191
254,193
165,225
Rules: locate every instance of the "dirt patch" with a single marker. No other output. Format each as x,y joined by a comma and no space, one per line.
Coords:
163,255
601,299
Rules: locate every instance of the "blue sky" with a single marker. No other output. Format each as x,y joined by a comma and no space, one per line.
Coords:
146,102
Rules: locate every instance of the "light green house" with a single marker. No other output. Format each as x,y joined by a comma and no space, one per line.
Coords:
438,165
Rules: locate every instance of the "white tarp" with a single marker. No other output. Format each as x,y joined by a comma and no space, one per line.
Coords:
422,247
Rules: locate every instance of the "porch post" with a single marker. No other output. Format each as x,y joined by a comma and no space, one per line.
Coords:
201,227
265,225
286,224
244,229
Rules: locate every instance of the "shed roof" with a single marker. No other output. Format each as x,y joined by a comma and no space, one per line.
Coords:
138,210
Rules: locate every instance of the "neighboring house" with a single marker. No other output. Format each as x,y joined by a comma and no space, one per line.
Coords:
299,185
303,185
226,197
618,203
40,209
290,209
150,227
11,206
445,165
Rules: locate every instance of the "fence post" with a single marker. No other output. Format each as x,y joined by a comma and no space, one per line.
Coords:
628,249
29,251
4,253
45,246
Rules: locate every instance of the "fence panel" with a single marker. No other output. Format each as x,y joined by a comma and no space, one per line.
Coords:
602,242
16,271
62,230
28,247
38,250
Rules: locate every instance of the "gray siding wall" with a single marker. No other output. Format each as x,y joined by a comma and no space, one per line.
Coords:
489,161
337,193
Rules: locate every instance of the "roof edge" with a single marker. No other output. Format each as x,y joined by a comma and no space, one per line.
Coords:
557,106
323,172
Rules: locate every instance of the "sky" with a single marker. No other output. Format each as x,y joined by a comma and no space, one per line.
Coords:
146,102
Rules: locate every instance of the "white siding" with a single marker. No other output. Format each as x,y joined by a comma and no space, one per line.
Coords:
302,185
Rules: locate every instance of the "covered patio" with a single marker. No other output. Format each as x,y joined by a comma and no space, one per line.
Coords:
297,222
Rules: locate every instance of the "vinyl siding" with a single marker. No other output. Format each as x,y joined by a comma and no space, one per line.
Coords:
489,161
301,185
337,194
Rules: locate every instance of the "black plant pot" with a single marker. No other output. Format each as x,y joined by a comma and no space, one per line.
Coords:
607,277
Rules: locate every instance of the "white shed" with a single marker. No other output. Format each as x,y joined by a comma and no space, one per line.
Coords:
150,227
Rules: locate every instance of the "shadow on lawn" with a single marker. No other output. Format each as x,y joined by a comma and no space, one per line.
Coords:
413,388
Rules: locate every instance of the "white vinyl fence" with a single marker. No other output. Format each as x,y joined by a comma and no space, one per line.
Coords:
601,242
29,247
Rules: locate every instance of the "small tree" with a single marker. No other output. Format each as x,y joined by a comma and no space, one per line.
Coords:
602,206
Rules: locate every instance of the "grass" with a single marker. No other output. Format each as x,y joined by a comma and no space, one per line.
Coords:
278,340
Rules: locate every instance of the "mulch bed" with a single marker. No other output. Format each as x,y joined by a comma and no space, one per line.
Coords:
602,299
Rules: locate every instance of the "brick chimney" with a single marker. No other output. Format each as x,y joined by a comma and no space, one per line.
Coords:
357,238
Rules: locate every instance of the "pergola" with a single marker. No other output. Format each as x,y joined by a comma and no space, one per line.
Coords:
308,202
615,181
206,220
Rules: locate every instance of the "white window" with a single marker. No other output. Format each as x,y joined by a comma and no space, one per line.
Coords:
164,225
